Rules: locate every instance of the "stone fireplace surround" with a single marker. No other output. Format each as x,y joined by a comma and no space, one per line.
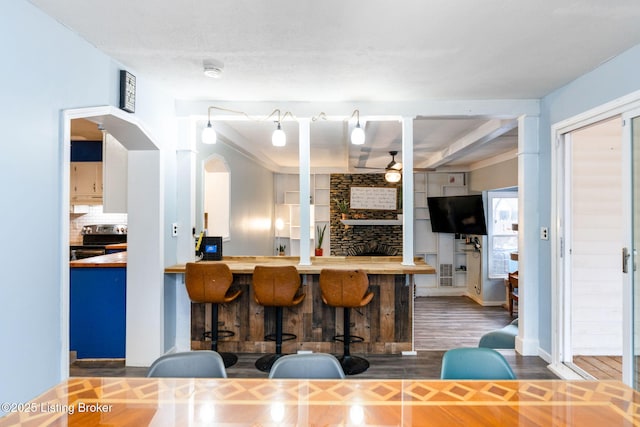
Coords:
370,240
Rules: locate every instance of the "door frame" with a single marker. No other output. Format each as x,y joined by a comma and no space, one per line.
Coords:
560,298
145,251
628,374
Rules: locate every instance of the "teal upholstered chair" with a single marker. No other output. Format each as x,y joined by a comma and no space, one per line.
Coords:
307,366
189,364
501,338
475,363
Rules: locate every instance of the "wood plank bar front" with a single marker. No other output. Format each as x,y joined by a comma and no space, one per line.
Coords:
385,323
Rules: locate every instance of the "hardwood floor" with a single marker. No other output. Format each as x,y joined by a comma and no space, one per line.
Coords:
441,323
600,367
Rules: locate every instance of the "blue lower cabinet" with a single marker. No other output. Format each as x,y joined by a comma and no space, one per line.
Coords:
98,312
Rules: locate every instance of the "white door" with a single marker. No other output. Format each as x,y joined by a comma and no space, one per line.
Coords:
594,230
599,203
629,262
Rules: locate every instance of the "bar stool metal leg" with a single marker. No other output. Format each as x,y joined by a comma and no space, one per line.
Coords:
229,359
351,365
265,362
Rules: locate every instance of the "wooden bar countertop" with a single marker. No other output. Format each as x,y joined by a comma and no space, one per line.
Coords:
116,246
118,259
371,265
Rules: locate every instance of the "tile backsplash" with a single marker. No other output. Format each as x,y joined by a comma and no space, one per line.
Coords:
95,216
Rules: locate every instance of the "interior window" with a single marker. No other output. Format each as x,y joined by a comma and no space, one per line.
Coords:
217,185
503,233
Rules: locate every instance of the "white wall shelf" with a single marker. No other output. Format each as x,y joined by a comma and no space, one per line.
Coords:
288,210
371,221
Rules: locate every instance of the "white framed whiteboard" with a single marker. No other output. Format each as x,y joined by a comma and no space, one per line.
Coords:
374,198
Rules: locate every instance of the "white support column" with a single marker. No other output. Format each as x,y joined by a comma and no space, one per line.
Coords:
186,169
527,341
145,260
305,189
407,191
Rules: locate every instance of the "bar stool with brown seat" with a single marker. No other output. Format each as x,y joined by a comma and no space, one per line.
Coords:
276,286
210,283
347,289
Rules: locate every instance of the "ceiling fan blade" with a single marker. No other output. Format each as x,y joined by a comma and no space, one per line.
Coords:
369,168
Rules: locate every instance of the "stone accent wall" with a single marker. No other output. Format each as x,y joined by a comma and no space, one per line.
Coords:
386,239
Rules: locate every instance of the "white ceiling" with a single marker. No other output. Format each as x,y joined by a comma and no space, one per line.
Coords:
359,51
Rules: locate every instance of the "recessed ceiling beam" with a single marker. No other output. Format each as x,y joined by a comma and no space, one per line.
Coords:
239,143
474,139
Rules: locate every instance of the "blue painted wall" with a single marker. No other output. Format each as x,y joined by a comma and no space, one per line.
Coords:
46,69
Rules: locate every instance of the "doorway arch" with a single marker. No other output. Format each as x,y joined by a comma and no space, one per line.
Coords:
144,297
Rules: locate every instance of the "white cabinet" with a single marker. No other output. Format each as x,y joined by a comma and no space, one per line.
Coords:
86,183
115,172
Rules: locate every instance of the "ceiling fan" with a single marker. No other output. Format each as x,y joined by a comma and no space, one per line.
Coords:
393,170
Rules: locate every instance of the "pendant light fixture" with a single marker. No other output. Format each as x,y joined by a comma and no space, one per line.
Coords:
278,138
209,135
357,134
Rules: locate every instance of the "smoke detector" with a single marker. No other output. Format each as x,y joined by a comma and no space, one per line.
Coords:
213,68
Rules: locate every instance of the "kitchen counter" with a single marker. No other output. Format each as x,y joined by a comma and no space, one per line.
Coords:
371,265
115,247
114,260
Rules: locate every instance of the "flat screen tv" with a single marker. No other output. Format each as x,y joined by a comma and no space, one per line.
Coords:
457,214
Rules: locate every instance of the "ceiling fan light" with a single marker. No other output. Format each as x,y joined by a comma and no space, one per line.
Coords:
279,138
392,175
209,135
357,135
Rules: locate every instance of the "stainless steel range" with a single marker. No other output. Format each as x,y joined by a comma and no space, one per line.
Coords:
96,237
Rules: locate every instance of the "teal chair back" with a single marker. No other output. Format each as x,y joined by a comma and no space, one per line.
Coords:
475,363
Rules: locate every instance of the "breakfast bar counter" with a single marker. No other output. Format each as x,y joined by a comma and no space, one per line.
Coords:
386,323
369,264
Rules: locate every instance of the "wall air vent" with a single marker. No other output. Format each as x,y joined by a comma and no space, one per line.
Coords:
446,275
